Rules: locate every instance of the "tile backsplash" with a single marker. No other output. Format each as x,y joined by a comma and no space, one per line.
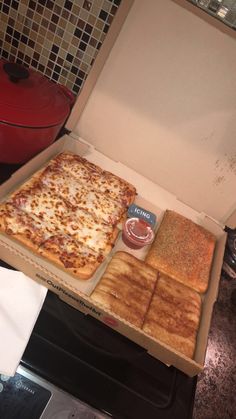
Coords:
60,39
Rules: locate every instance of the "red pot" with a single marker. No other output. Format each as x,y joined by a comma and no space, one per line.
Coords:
32,111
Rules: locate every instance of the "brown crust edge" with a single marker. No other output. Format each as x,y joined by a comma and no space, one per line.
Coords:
83,273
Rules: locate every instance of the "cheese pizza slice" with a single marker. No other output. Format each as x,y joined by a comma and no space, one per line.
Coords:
60,249
103,181
24,227
62,217
100,206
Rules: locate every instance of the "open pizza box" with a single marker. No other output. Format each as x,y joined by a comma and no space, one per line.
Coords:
96,145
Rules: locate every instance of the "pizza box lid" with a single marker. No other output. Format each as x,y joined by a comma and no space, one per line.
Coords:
152,111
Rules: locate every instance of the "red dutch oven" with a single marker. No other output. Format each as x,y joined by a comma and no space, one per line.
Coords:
33,109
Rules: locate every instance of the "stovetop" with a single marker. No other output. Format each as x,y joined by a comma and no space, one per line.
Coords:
28,396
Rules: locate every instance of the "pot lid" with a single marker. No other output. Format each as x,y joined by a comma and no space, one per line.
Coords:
29,99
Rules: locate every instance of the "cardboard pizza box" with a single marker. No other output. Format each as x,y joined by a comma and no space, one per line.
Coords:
77,292
91,136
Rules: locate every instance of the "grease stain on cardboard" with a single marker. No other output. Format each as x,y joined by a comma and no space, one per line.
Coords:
226,165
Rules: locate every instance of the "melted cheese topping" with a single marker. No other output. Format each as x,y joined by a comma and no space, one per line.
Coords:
101,180
97,204
61,217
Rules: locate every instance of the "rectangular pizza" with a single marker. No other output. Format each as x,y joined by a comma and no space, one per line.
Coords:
69,213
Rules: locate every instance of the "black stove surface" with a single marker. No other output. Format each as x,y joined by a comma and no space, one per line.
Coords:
21,398
99,366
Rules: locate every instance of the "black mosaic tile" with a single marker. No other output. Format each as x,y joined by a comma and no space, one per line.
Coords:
54,18
5,9
24,39
49,19
76,89
74,70
78,33
49,4
88,28
85,38
106,28
15,43
78,81
99,45
55,49
5,54
57,68
14,4
68,5
55,76
103,15
16,35
42,2
19,60
81,74
9,30
52,56
34,63
82,46
32,4
69,58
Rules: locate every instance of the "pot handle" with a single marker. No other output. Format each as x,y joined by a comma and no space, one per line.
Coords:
69,95
15,72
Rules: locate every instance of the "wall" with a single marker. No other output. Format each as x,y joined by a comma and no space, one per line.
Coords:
59,38
165,104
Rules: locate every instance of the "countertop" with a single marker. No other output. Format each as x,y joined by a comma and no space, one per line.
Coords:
216,386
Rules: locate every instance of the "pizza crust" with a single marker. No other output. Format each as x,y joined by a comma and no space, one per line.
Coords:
25,238
79,273
71,256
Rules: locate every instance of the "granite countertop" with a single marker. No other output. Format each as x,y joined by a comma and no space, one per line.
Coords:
216,386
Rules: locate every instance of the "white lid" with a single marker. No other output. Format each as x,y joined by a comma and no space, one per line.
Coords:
165,105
